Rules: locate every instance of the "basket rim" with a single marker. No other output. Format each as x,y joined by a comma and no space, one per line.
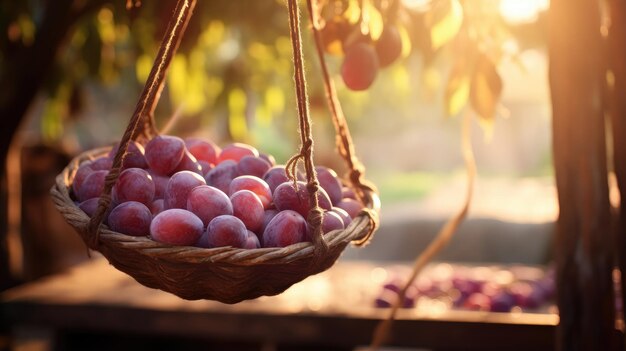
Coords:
60,192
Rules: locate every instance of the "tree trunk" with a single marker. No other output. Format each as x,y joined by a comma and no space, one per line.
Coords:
22,76
583,250
617,110
26,69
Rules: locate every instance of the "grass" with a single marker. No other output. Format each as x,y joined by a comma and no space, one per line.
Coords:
399,187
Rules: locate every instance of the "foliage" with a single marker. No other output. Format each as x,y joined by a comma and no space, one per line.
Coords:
236,56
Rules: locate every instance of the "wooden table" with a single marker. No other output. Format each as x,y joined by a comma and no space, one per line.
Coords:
332,310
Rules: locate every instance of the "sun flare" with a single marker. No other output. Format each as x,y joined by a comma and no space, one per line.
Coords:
522,11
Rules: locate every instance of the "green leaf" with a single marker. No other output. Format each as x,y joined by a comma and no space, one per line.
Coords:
213,35
458,88
444,22
274,100
27,29
375,20
406,41
486,89
187,81
237,124
401,79
106,26
54,113
143,66
352,12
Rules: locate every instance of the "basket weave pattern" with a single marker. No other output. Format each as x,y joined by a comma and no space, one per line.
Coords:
224,274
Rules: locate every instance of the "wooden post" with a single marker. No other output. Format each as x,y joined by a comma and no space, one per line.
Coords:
583,246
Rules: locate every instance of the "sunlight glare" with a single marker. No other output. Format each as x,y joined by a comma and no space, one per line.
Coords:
522,11
417,5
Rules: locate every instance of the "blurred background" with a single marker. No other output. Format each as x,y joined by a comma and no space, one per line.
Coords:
232,81
71,74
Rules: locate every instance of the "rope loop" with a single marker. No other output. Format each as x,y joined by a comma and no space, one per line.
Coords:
374,220
291,168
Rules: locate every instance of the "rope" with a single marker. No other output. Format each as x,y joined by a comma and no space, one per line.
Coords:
343,139
444,236
315,215
144,110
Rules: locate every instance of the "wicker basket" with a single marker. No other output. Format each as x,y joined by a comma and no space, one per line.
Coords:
224,274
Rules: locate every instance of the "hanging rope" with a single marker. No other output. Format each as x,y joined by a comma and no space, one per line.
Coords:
444,236
306,136
144,109
343,139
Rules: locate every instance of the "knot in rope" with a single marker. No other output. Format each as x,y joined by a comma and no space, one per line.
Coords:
356,175
314,219
315,216
313,186
374,222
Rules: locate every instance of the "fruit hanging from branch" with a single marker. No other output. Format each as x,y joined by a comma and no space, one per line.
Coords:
370,36
389,45
360,66
366,34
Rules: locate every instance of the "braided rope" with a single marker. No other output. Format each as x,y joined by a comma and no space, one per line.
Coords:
144,109
316,214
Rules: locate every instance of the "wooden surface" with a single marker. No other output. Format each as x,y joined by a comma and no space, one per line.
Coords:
334,307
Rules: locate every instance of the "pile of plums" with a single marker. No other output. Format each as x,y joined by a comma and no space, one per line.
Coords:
482,288
192,192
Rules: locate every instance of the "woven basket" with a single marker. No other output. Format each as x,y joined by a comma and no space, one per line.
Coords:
225,274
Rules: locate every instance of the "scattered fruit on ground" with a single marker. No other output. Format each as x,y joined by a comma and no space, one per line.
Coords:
476,288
